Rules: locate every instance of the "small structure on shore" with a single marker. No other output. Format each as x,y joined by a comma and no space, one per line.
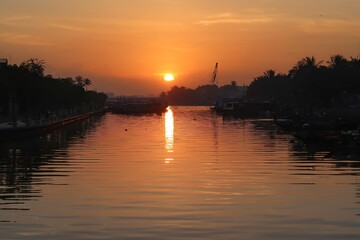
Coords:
3,63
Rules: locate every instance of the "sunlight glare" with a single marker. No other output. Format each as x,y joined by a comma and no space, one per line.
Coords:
169,77
169,130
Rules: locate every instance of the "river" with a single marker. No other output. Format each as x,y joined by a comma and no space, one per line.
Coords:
186,174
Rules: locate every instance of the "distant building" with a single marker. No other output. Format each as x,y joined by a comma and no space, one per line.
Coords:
242,91
3,63
110,94
347,100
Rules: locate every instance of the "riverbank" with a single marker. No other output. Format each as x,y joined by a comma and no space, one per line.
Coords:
22,128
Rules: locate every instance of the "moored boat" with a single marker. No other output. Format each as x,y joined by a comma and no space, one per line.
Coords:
137,106
244,108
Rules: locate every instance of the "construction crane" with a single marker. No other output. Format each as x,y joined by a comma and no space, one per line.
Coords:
214,75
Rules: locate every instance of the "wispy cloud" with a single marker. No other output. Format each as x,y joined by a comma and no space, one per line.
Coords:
229,18
16,18
23,39
69,27
323,25
15,21
220,15
112,26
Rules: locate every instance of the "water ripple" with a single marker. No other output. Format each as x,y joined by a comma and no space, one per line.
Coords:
189,175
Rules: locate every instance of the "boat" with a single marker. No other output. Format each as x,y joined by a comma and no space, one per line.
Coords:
137,106
244,108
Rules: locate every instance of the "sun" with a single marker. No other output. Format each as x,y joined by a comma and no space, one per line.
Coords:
169,77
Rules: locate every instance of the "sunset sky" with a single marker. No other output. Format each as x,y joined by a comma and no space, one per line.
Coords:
126,46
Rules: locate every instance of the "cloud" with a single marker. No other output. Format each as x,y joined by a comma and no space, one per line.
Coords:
233,21
323,25
228,18
220,15
23,39
15,21
69,27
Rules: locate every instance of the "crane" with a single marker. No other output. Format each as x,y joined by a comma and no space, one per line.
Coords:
214,75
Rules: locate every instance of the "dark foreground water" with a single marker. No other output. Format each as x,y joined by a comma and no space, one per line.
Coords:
187,174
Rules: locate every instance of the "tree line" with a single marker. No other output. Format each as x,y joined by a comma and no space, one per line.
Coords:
25,90
308,84
203,95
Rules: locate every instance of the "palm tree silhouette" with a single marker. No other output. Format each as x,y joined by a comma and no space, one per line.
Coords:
87,82
337,62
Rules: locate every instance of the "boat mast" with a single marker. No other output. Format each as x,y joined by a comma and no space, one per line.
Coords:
214,75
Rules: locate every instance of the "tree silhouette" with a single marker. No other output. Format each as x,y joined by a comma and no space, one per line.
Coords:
79,81
269,73
309,84
269,86
338,62
26,91
87,82
304,68
35,66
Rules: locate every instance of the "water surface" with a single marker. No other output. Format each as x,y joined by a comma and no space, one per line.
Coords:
186,174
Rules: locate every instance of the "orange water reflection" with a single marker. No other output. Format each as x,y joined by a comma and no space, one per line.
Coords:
169,134
230,176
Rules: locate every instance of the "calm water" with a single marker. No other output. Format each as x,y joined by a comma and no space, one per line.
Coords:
187,174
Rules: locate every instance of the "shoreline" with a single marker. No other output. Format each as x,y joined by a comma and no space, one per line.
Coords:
11,132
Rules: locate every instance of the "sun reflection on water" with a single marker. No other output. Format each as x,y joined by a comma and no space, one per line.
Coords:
169,133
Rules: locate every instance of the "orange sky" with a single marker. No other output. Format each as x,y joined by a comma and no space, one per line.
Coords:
125,47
